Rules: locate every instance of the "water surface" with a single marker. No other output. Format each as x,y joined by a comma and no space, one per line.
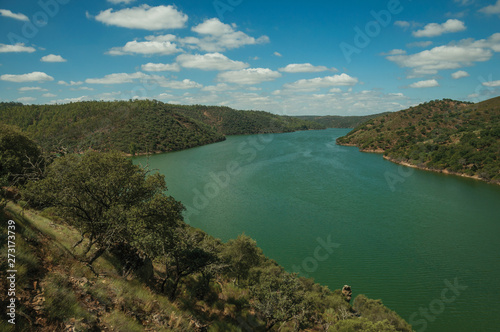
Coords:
425,243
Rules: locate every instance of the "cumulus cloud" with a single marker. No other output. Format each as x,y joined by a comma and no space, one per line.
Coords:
144,17
31,88
49,95
302,68
402,24
219,88
35,76
459,74
154,45
19,47
218,37
118,78
491,9
452,56
209,61
491,84
71,83
424,84
278,54
249,76
314,84
436,29
18,16
52,58
26,100
180,85
161,67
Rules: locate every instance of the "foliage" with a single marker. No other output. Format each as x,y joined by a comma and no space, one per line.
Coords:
337,121
18,155
446,135
104,195
139,126
242,254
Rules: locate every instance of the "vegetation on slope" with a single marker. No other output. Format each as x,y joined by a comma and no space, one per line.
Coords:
443,135
232,122
139,126
338,121
102,247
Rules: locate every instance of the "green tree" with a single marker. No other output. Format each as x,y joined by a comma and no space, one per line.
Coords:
242,254
19,155
279,298
106,197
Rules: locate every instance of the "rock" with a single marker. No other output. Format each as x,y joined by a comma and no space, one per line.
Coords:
347,292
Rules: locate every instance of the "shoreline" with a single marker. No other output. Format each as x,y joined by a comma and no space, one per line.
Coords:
407,164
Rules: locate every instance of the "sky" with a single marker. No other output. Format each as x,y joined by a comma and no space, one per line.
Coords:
285,57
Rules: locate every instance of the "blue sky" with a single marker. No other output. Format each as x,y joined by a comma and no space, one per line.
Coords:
286,57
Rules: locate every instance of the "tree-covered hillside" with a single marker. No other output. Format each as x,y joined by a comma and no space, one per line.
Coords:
442,135
337,121
139,126
232,122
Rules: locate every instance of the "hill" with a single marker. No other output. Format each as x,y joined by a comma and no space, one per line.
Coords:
232,122
443,135
58,292
139,126
337,121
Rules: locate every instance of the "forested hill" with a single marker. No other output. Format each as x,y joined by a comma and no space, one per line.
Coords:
337,121
140,126
442,135
232,122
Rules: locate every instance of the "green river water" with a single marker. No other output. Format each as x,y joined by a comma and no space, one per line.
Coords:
427,244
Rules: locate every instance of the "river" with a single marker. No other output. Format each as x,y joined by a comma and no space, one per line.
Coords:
427,244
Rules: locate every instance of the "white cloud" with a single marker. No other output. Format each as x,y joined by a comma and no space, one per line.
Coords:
314,84
491,9
35,76
26,99
219,88
161,45
302,68
424,84
52,58
492,84
31,88
70,100
435,29
18,16
394,52
161,67
144,17
4,48
209,61
118,78
180,85
71,83
460,74
429,62
49,95
420,44
402,24
218,37
278,54
249,76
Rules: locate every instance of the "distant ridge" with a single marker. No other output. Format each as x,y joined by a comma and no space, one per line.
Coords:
337,121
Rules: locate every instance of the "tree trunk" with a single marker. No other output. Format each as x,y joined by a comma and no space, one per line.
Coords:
174,288
96,255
